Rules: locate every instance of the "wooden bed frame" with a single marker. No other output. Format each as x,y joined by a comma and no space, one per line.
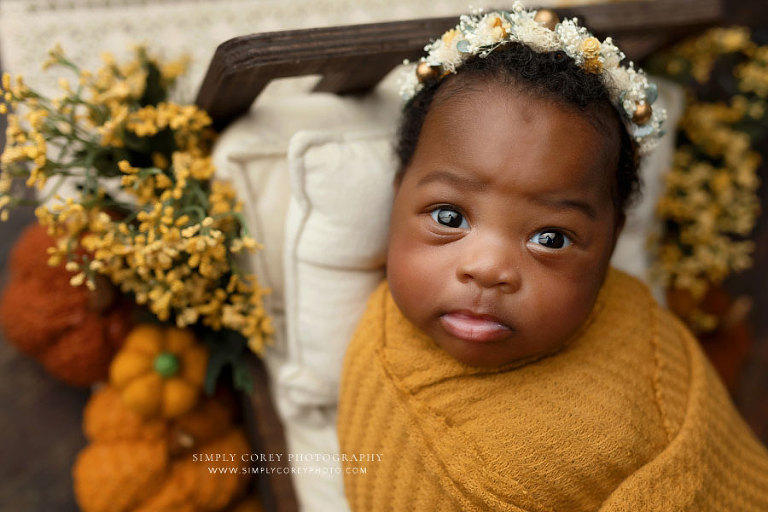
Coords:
352,60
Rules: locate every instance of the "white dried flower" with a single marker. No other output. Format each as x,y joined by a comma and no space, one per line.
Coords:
445,55
539,38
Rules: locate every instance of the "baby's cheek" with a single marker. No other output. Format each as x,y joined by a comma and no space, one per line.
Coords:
576,306
554,300
411,277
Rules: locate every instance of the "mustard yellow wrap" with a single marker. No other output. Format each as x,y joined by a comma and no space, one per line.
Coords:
628,416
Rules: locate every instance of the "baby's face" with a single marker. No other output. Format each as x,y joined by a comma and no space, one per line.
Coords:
502,226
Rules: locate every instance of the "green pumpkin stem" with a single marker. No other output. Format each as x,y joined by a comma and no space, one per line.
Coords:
166,364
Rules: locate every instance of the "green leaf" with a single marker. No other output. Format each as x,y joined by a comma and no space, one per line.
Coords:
216,363
155,91
241,377
227,348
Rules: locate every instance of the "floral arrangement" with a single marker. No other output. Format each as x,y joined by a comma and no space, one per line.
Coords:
710,204
479,34
147,212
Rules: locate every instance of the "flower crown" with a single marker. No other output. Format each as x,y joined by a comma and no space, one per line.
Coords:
480,33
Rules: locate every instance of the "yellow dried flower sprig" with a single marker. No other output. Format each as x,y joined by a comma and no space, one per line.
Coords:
710,204
697,55
176,266
149,214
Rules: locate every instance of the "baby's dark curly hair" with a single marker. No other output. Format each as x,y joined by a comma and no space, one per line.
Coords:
552,76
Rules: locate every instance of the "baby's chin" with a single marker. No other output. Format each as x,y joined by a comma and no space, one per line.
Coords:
500,354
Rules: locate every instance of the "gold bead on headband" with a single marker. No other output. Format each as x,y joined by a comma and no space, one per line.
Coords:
425,72
547,19
643,114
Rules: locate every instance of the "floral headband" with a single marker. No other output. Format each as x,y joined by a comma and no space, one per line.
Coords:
480,33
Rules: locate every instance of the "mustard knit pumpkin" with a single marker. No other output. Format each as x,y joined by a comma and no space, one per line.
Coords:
160,370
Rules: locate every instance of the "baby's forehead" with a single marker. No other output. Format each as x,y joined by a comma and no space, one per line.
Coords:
523,101
502,134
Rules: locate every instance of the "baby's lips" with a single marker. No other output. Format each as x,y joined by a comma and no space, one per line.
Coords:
474,328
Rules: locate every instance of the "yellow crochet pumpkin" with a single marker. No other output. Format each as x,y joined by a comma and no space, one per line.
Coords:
160,370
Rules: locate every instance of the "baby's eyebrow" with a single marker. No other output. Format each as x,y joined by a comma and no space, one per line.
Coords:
461,181
568,203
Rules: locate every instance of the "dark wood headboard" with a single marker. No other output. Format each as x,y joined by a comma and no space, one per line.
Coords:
352,59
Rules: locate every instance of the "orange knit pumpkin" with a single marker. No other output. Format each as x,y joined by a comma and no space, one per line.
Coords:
143,464
49,319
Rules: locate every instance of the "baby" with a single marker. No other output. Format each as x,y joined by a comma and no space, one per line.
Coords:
504,365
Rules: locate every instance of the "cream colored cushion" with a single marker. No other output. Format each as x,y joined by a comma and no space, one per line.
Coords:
334,253
253,154
335,250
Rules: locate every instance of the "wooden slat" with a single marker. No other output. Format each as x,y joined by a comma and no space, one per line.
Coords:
354,58
357,57
645,16
752,13
275,486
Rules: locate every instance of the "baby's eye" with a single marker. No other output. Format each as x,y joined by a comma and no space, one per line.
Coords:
448,216
551,239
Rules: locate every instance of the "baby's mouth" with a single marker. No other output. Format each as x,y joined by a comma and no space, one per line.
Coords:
473,327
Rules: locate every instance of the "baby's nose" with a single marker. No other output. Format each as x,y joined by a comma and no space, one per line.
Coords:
489,263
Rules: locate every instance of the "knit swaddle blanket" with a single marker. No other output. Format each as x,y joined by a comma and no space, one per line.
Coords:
628,416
